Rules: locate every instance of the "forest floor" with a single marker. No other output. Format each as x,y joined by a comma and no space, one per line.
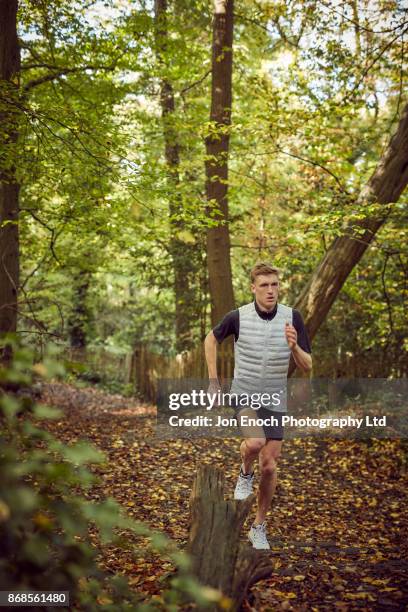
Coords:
338,525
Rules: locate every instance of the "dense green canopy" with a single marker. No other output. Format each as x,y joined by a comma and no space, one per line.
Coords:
318,89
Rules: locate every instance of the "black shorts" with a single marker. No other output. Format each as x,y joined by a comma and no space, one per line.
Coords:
266,420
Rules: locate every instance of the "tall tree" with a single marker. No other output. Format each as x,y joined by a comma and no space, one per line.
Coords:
181,253
78,321
51,117
216,166
9,189
385,186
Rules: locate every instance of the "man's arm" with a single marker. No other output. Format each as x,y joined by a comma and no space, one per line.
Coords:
302,359
210,347
228,326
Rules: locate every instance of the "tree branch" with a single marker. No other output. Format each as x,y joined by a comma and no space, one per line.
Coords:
59,73
315,163
50,229
371,64
185,89
386,295
352,21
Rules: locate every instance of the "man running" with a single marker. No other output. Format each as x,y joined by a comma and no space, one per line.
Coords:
266,334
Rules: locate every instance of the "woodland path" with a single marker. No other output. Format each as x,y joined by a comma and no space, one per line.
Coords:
338,528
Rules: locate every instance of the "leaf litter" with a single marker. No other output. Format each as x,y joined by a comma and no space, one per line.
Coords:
337,526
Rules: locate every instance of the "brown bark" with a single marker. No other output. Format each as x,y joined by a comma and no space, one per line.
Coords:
79,319
385,186
217,148
181,253
220,560
9,188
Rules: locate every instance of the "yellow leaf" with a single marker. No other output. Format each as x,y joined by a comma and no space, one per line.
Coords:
225,603
186,237
82,583
389,589
42,521
284,595
104,600
211,594
40,369
4,511
376,581
361,595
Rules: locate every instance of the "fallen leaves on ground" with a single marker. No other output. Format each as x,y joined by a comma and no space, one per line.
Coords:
338,524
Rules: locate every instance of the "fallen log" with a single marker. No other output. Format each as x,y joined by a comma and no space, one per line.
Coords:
220,559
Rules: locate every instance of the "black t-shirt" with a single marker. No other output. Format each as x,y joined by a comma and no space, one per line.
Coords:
230,325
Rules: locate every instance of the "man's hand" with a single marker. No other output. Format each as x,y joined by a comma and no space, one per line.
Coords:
213,388
302,359
291,335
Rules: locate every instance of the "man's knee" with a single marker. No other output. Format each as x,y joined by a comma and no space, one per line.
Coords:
268,465
254,445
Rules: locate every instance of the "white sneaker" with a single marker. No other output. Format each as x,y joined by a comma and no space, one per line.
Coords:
243,487
257,535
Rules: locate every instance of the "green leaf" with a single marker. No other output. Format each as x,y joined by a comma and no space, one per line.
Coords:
81,453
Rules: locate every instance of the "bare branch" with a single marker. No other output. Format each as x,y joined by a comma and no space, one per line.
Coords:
331,9
185,89
371,64
315,163
50,229
62,72
386,295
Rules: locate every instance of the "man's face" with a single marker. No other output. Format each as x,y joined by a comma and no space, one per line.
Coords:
266,290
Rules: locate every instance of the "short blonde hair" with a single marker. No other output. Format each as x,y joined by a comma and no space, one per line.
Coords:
262,268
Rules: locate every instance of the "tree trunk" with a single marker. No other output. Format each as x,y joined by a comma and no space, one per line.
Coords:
220,560
9,189
216,166
182,254
79,319
385,186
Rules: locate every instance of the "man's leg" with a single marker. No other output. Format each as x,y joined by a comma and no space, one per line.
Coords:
250,449
253,442
268,459
268,462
